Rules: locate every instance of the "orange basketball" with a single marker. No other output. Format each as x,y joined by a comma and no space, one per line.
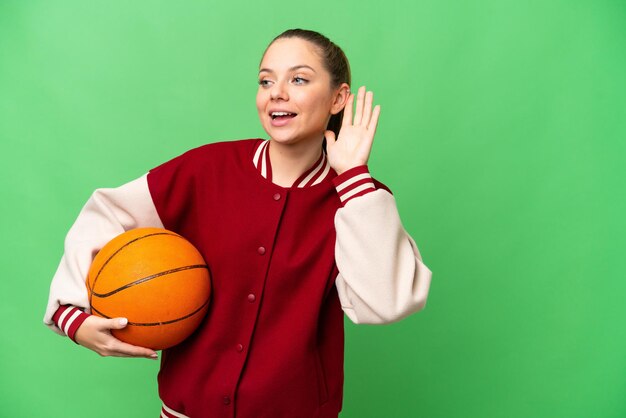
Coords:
156,279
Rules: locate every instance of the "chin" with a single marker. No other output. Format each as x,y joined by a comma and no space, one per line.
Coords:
282,136
293,137
284,139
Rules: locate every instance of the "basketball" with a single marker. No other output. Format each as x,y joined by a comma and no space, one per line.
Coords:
155,278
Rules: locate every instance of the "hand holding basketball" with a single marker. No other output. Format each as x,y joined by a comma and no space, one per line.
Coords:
95,334
155,279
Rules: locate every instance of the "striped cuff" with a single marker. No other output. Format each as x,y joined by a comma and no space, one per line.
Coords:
68,318
170,413
353,183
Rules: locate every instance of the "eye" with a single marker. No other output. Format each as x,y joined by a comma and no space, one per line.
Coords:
264,83
299,80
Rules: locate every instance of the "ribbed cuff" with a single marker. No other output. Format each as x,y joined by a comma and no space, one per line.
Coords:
167,412
68,318
354,183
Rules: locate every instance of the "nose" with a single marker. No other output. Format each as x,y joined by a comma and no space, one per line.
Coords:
278,92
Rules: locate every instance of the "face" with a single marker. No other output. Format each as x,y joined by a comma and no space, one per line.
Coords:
295,98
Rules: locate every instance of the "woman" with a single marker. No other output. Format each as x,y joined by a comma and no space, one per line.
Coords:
296,233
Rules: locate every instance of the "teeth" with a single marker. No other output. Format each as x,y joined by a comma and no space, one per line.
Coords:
275,114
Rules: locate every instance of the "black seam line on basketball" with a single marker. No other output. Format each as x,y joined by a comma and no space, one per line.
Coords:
95,280
145,279
154,324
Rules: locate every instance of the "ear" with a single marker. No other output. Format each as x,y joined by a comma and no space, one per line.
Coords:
341,95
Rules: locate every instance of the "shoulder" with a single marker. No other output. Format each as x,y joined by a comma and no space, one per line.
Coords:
222,149
216,152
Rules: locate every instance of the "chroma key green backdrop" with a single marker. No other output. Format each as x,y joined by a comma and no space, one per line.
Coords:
502,135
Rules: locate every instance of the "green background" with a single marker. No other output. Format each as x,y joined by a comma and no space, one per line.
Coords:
502,134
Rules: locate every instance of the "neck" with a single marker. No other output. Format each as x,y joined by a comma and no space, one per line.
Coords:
289,161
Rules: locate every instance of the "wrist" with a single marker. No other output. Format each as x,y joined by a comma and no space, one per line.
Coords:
354,182
68,319
347,167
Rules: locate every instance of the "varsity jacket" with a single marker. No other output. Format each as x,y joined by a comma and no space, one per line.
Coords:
286,264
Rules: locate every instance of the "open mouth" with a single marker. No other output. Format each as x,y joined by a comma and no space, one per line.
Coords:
282,115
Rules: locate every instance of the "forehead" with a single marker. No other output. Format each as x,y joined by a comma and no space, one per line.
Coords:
285,53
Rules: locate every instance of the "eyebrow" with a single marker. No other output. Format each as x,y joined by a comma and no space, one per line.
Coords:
294,68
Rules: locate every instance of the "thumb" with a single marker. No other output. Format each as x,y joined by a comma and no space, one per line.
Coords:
118,323
330,138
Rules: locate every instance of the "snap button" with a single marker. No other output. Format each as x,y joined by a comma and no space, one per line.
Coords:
277,196
261,250
240,347
251,297
226,400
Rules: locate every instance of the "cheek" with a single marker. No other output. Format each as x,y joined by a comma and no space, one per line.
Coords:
260,101
320,106
314,102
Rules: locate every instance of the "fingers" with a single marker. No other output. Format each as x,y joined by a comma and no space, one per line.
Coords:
358,114
347,112
364,110
367,109
122,349
374,121
95,334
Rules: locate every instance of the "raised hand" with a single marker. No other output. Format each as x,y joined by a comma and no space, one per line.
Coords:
353,146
